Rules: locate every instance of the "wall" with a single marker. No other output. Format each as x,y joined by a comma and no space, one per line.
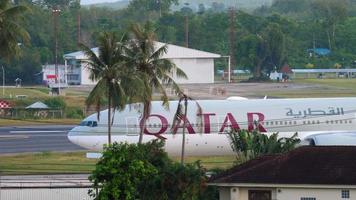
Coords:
227,193
235,193
244,192
197,70
319,194
85,75
45,194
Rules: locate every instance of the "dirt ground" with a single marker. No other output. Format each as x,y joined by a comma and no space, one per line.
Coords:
250,90
254,90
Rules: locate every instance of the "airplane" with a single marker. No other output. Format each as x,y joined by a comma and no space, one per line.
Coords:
206,129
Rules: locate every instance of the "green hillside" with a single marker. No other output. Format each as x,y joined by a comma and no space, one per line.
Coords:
115,5
241,4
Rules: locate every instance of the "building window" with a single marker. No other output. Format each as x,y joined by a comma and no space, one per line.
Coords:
73,77
345,194
307,198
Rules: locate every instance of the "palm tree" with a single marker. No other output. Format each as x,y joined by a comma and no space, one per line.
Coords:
248,145
11,32
181,116
116,82
155,71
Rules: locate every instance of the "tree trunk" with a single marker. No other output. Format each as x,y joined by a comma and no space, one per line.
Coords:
329,38
334,36
109,117
142,129
183,134
143,121
257,73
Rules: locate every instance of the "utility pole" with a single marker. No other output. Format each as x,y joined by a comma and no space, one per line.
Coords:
160,7
78,29
186,31
55,13
186,25
232,35
3,81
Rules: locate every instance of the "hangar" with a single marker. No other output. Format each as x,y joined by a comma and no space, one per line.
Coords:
198,65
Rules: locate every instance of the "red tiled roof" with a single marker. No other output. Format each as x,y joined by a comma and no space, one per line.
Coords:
330,165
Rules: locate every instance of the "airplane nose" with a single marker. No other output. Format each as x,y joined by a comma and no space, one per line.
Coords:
72,136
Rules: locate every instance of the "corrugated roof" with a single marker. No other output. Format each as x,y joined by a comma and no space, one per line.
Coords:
174,51
324,70
37,105
322,165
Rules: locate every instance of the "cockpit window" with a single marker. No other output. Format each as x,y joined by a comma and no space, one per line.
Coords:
89,123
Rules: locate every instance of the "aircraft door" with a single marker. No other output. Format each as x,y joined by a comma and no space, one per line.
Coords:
132,126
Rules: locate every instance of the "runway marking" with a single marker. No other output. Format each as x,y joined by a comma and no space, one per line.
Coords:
38,131
12,137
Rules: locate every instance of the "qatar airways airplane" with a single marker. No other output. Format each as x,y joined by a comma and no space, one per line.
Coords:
206,130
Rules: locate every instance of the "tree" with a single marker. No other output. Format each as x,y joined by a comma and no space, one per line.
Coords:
155,72
201,9
119,172
263,51
276,44
11,33
144,171
329,13
249,145
252,52
181,115
161,6
116,81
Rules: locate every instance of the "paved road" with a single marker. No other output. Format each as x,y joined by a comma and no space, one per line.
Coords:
35,139
69,180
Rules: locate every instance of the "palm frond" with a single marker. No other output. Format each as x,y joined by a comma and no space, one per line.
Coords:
97,95
14,12
157,54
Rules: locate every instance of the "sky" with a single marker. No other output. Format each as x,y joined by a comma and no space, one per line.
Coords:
86,2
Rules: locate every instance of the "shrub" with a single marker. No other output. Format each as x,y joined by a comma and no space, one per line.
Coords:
144,171
74,113
56,103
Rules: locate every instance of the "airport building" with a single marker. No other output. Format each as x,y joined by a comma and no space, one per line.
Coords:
49,74
307,173
198,65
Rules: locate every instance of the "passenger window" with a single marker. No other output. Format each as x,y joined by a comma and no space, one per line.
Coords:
95,124
89,123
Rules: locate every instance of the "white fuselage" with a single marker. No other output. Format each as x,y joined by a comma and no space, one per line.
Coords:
206,130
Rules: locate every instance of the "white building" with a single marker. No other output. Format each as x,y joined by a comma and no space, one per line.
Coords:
198,65
49,74
307,173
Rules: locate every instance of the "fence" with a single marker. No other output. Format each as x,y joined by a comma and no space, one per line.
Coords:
45,187
23,113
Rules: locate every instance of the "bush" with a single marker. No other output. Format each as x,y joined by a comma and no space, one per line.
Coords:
74,113
56,103
144,171
21,103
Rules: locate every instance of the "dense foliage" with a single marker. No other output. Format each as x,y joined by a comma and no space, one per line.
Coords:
267,38
144,171
250,145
